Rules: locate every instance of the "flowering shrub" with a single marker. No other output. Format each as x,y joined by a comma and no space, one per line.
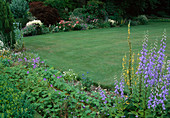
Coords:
92,21
35,27
29,30
67,25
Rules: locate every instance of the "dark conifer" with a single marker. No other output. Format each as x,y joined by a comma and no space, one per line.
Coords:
6,24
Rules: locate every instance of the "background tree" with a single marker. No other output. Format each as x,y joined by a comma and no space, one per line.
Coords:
19,8
6,24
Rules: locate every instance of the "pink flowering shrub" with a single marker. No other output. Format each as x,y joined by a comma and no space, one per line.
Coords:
29,30
67,25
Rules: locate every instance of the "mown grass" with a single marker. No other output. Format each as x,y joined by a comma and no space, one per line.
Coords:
97,51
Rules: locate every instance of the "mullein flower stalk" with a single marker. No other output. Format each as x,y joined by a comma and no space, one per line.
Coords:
130,58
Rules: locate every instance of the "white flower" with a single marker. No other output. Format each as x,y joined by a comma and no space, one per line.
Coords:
1,44
34,22
111,21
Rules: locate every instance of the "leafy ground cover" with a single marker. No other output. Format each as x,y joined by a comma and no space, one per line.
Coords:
97,51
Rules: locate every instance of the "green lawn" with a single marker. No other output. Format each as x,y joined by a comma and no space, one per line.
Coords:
97,51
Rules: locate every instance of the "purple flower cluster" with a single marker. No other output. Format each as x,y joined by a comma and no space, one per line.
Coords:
35,62
151,69
103,96
142,65
121,88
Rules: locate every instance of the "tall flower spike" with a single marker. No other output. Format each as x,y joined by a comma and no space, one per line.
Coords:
129,30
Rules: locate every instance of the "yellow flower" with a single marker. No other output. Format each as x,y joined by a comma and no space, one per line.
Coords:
127,102
128,31
128,83
132,68
127,71
132,61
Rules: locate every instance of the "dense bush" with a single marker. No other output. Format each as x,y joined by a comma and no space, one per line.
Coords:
44,13
78,13
142,19
19,8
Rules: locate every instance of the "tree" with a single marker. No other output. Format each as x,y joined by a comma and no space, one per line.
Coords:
131,8
6,24
19,8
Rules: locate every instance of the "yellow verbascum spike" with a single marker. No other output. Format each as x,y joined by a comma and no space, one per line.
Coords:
123,59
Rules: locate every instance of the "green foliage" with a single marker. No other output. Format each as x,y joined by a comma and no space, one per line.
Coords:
78,12
104,25
52,96
59,4
129,6
134,22
77,27
6,24
19,8
44,29
13,103
142,19
5,62
90,26
19,40
87,83
22,21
